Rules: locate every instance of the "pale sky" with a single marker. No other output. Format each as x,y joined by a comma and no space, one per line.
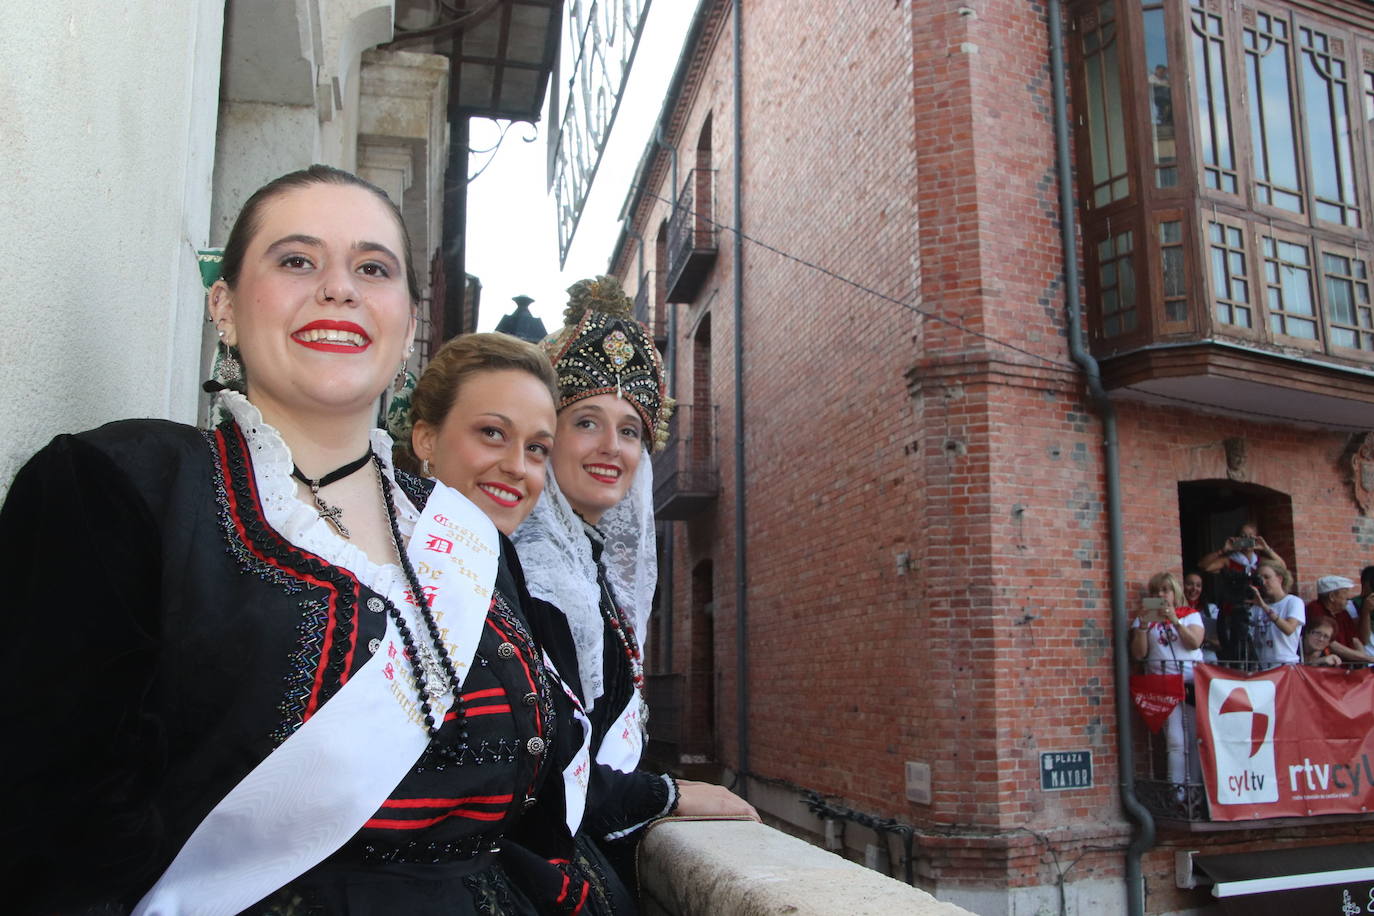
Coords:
512,237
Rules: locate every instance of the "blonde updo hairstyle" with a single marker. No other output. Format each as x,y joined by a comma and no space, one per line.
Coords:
466,356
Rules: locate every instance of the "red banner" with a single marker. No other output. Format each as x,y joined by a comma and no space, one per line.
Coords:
1156,695
1288,742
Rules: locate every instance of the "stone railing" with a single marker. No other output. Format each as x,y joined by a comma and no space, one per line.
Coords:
691,867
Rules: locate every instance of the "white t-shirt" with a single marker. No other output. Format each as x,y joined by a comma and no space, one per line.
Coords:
1166,653
1276,648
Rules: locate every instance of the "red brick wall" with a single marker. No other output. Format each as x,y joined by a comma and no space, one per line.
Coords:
909,148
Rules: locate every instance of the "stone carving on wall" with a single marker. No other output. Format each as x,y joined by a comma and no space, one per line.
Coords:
1362,478
1236,455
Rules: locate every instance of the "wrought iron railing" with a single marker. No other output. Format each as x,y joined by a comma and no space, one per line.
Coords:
691,237
686,480
1168,765
648,312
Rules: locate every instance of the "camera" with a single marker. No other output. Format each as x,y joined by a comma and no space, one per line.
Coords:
1233,588
1243,543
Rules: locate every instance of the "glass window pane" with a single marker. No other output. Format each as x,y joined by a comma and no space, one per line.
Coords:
1173,271
1212,97
1103,111
1159,72
1268,58
1326,98
1340,303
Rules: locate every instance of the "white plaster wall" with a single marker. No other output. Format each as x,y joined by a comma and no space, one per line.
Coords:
258,142
107,131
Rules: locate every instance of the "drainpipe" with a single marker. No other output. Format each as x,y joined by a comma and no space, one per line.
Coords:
1143,837
741,592
670,358
663,143
456,320
666,573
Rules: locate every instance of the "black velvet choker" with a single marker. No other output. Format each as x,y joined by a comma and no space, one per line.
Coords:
331,514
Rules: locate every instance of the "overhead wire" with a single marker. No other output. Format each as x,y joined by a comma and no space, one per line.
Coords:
960,326
441,30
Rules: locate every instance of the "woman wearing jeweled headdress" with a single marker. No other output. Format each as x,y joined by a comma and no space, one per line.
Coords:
588,549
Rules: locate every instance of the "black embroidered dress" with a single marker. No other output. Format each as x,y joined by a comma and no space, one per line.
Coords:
176,614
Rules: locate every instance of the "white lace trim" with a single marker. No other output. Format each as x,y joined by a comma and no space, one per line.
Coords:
630,557
298,521
557,559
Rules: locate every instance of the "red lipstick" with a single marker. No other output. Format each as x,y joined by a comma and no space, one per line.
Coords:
603,473
494,491
331,336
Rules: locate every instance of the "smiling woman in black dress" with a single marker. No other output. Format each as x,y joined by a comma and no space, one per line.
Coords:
266,671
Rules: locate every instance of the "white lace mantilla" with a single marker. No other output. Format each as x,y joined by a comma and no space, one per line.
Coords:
556,556
300,522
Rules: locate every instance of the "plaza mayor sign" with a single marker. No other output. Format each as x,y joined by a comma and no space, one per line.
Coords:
597,51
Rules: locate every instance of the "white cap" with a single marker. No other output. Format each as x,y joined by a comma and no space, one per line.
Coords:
1333,583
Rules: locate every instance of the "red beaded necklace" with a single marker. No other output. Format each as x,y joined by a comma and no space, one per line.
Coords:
625,632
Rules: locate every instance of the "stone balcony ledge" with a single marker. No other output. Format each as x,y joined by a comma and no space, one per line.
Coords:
698,867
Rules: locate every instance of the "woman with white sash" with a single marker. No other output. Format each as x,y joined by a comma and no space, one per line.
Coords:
264,671
589,550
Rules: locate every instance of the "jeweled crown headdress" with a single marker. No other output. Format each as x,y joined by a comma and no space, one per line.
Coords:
602,349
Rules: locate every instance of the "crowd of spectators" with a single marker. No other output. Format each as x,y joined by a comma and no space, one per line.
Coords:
1239,608
1246,606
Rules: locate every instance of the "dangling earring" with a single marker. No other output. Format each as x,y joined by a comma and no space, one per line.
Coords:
228,369
424,467
400,382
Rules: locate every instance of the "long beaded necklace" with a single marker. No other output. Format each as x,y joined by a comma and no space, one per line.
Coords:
330,513
429,663
621,625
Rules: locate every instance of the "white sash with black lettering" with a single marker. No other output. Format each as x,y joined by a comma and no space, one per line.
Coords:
315,791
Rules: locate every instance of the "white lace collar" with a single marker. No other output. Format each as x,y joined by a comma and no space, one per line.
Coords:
555,550
298,521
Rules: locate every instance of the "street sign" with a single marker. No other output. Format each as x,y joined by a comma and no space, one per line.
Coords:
1061,770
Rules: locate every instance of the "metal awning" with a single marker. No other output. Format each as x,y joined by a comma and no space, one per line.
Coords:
501,52
1282,882
504,58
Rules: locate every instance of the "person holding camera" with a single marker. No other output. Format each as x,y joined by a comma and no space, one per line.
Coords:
1167,636
1277,616
1241,553
1235,564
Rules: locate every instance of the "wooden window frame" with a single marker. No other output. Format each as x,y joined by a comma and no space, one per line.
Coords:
1234,110
1247,19
1353,253
1354,116
1305,241
1258,316
1187,245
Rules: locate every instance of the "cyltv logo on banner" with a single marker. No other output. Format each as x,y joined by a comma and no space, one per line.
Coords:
1241,715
